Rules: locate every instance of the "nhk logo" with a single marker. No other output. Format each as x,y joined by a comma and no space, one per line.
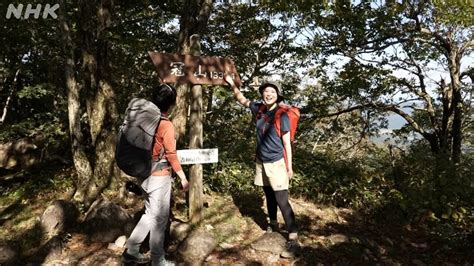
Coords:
17,11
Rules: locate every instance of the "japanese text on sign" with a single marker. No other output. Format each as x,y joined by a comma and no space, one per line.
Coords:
179,68
198,156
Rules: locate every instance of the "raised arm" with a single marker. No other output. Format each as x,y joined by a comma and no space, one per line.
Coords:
237,93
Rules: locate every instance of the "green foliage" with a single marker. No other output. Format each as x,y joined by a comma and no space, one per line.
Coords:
452,12
260,41
231,129
53,131
353,182
427,184
48,179
34,92
230,177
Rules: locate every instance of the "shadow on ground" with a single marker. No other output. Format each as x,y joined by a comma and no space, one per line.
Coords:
250,205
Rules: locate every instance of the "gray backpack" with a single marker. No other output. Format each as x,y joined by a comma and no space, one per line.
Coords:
133,153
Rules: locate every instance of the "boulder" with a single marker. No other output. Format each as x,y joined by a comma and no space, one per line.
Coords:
52,251
337,239
59,217
270,242
106,222
19,154
8,256
121,241
197,246
179,231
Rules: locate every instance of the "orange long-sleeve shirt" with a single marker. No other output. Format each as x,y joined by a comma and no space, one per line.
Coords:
165,137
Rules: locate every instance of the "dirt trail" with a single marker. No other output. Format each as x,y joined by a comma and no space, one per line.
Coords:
328,235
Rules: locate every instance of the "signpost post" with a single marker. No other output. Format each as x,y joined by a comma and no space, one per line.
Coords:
195,142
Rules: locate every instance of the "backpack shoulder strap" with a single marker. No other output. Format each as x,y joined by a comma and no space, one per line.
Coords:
282,108
162,151
261,110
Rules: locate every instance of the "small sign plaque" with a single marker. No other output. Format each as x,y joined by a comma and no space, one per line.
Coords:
198,156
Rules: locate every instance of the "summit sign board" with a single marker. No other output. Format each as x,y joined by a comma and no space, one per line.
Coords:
187,69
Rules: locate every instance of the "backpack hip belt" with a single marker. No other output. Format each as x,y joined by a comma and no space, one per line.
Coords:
160,165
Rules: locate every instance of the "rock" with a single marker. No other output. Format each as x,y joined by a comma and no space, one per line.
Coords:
270,242
19,154
59,217
120,242
26,153
197,246
7,255
113,247
273,259
179,230
210,258
112,261
226,245
52,250
338,239
106,222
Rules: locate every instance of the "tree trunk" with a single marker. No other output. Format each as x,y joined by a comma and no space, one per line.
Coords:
193,20
457,104
81,163
100,100
195,142
105,113
180,111
194,17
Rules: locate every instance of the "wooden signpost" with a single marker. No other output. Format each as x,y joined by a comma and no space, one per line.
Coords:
195,70
178,68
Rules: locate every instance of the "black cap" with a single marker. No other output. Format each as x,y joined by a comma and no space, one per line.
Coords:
273,84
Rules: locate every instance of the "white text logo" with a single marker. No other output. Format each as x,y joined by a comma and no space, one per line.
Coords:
17,11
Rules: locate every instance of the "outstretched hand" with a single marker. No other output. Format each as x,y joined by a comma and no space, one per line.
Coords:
228,78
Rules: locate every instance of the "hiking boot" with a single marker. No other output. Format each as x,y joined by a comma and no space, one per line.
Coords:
133,188
292,249
138,258
273,227
163,262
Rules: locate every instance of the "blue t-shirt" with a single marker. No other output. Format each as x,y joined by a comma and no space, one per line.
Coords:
269,145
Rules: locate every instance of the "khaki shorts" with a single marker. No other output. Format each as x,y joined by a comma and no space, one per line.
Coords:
272,174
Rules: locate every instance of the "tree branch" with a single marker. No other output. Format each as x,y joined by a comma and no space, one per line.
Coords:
465,46
9,98
383,107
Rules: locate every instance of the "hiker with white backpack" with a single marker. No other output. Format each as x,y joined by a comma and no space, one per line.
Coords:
147,150
276,125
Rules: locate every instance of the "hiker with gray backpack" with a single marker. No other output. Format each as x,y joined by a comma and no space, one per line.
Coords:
146,150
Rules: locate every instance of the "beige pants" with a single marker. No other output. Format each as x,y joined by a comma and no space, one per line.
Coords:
272,174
